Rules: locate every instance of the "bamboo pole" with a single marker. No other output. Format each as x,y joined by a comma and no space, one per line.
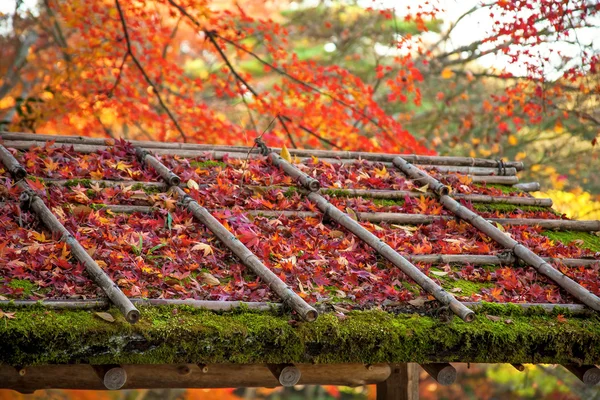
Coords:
381,157
378,245
94,271
528,186
309,183
114,377
220,155
233,243
140,376
575,309
442,373
520,251
368,193
93,304
393,218
219,306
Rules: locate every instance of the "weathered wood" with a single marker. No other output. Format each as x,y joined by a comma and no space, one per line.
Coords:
575,309
286,374
415,159
169,376
230,153
402,384
309,183
374,194
588,374
443,373
113,377
92,304
93,270
248,258
444,169
391,255
11,164
519,367
528,186
394,218
519,250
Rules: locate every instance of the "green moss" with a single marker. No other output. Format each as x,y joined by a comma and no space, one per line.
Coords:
467,287
290,191
588,240
208,164
149,189
75,182
177,335
504,188
27,286
97,206
388,202
507,208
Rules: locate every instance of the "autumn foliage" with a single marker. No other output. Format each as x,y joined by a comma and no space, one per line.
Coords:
221,72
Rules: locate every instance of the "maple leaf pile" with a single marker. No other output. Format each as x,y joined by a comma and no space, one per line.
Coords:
166,253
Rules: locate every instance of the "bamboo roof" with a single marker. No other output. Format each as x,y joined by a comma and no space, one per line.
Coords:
117,252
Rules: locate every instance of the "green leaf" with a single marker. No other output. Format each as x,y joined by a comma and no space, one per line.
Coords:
153,249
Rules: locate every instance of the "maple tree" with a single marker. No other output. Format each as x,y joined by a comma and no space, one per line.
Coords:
211,72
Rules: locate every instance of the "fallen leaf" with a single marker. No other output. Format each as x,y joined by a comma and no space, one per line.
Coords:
209,279
423,189
203,247
351,213
493,318
418,302
508,321
456,290
192,184
105,316
340,309
336,234
7,315
2,298
285,154
439,273
561,318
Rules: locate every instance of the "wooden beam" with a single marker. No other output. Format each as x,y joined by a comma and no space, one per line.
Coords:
85,377
443,373
588,374
286,374
402,384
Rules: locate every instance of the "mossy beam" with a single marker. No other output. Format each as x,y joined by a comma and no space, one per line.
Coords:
36,337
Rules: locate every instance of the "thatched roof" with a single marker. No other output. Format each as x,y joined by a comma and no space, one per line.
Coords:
228,255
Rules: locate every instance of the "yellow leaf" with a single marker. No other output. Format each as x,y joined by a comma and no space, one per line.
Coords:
351,213
558,127
192,184
285,154
204,247
512,140
209,279
423,189
447,73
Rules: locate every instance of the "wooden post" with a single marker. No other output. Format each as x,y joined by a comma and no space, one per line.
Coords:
403,383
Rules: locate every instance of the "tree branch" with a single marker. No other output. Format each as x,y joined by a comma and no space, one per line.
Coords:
143,71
